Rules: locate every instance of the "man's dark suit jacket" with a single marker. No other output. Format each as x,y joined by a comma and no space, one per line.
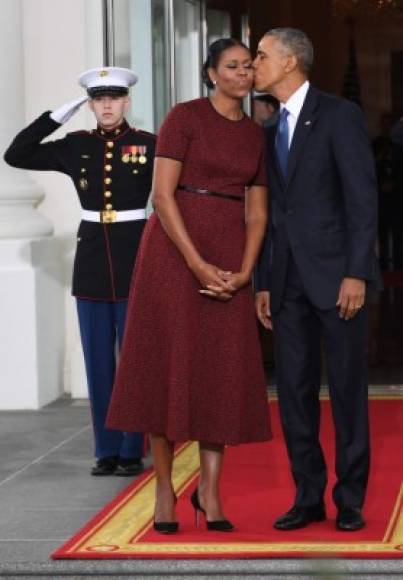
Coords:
325,212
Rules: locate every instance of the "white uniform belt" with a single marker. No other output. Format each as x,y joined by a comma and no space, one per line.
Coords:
111,216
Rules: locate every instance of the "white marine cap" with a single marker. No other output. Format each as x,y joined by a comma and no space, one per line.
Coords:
107,80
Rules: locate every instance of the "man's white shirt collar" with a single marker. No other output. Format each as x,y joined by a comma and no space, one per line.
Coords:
294,106
296,101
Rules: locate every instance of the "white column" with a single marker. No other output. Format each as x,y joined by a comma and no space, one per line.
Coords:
18,194
31,297
141,61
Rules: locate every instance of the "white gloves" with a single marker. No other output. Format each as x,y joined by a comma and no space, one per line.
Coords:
65,112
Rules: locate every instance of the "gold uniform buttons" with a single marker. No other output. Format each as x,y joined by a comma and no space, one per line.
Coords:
109,155
108,167
108,194
83,170
108,206
108,180
135,171
109,144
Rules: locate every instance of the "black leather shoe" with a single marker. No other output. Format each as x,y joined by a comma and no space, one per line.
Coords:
349,519
129,467
300,516
104,466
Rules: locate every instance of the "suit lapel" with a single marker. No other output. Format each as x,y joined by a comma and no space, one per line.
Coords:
305,123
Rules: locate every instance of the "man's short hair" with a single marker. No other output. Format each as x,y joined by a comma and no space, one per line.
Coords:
295,42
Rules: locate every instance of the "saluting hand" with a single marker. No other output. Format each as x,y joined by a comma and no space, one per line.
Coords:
66,111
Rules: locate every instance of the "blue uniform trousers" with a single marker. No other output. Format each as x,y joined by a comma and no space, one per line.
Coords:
101,326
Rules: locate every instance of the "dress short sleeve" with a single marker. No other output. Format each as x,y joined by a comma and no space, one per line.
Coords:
175,133
260,177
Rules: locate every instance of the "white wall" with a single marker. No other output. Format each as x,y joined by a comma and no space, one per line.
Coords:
61,40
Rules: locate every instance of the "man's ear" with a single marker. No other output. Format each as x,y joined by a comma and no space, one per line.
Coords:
291,63
91,104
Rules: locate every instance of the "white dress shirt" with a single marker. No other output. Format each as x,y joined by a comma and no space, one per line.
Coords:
294,106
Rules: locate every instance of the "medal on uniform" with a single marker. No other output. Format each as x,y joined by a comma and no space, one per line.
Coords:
134,151
127,153
142,151
83,183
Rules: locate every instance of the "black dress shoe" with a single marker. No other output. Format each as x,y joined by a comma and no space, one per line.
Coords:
300,516
349,519
129,467
104,466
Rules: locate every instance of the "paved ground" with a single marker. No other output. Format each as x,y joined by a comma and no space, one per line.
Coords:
46,492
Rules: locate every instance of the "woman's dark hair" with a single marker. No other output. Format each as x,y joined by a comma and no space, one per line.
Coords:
214,53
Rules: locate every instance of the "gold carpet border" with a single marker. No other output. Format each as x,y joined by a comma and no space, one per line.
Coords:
371,397
121,530
243,548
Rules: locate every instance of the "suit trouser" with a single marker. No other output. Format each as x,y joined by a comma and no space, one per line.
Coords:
101,327
298,330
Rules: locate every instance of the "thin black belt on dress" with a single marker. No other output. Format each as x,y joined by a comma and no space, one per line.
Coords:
208,192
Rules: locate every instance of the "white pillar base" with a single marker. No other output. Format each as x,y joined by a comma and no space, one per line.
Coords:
75,378
32,323
79,389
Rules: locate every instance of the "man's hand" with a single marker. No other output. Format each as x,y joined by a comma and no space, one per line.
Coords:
351,297
65,112
262,305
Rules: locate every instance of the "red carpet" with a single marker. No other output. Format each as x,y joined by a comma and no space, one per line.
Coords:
256,488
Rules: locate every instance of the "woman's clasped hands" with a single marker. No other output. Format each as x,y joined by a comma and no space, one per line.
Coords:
217,283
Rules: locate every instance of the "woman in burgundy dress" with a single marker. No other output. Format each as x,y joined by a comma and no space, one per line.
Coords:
190,366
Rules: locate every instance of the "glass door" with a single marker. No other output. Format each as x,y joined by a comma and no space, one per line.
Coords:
187,49
165,43
224,20
141,42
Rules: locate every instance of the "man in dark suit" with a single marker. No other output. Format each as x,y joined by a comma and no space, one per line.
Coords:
313,273
111,168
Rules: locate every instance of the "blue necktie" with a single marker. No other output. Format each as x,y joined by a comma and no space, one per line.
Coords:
282,141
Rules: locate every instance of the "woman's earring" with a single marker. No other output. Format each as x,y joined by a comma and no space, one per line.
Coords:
214,83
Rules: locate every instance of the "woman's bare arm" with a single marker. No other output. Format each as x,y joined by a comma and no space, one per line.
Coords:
256,223
165,182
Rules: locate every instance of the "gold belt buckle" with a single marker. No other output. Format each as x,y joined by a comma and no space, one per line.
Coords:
108,216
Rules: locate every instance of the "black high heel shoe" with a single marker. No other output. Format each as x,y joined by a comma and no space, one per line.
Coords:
166,527
216,525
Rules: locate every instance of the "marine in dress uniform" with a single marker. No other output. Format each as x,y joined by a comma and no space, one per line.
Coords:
111,167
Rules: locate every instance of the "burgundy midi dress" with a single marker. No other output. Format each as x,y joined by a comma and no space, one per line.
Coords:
190,366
